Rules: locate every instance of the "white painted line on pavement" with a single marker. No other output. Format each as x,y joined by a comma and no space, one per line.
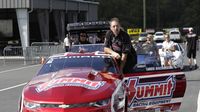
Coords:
18,68
22,84
198,103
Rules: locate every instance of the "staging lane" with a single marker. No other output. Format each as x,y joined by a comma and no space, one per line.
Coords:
12,82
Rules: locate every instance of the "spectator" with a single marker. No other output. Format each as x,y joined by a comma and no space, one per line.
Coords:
118,44
168,48
83,38
67,43
150,45
93,39
191,42
101,37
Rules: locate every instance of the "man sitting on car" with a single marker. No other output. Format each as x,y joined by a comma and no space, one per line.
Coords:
168,48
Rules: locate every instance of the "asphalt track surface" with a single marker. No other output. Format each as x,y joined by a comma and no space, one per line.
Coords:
13,78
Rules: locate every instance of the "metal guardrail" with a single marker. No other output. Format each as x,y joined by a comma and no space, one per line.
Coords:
35,53
29,55
12,54
39,50
44,43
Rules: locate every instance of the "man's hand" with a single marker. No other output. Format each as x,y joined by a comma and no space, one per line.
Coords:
112,53
115,55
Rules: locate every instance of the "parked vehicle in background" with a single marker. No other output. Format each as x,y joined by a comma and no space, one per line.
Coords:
150,31
142,36
178,55
159,36
175,35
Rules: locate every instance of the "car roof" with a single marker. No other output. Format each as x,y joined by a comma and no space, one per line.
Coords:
174,31
90,25
143,33
159,32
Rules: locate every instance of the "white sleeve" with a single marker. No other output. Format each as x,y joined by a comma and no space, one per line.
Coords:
172,44
163,45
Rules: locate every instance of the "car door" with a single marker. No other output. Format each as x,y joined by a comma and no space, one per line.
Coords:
181,50
155,90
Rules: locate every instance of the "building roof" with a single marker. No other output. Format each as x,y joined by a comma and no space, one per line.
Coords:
42,4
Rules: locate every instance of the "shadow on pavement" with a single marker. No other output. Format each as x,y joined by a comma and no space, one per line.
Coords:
187,68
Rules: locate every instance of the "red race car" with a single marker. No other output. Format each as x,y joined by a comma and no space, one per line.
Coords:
91,82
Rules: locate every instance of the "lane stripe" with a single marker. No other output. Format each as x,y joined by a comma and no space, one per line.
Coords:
18,68
19,85
8,88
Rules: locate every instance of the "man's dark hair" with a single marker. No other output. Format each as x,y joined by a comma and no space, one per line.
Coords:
82,32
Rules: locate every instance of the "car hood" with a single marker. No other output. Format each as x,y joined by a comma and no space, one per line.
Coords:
70,86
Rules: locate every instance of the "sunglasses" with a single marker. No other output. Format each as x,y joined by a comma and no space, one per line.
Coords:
83,35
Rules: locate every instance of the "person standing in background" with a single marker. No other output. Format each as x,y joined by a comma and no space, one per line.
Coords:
67,43
191,46
150,45
83,38
168,48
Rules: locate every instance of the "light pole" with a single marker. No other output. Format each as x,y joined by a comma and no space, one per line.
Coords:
144,15
157,14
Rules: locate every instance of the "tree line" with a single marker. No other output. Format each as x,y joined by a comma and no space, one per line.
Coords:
159,13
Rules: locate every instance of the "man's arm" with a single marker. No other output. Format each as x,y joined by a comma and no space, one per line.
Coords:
107,48
111,52
172,48
123,61
117,56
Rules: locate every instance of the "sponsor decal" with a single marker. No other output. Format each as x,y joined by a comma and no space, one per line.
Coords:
95,56
148,93
158,68
70,81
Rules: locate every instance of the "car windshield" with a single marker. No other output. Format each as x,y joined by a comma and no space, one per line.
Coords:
159,34
175,46
174,33
143,34
87,47
98,63
141,48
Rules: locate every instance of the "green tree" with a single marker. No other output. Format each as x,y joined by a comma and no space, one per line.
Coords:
128,11
159,13
191,15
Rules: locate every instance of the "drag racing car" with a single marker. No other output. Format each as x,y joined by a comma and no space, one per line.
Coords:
178,55
92,82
